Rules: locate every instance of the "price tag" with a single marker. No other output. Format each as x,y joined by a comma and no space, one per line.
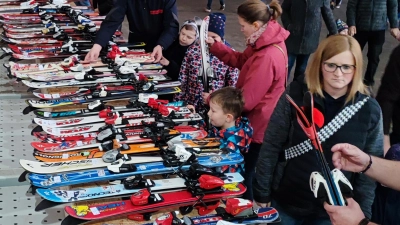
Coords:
79,143
65,156
95,211
41,67
56,96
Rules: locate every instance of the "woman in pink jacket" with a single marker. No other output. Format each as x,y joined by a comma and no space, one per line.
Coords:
263,70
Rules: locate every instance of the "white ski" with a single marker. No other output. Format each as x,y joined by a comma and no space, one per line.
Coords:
58,167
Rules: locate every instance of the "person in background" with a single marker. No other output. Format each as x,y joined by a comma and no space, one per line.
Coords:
104,6
346,113
153,22
350,158
263,69
191,87
173,57
367,22
209,3
303,20
388,98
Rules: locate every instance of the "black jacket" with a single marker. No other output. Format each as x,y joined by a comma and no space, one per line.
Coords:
371,15
302,18
388,96
287,182
154,22
175,55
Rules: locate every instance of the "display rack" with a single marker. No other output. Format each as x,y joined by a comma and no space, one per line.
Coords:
17,207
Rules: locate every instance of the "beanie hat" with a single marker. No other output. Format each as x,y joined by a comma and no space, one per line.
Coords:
217,24
341,25
193,24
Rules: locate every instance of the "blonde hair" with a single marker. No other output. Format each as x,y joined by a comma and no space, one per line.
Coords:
327,49
255,10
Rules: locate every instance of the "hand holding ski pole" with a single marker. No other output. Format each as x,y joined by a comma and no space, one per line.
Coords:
93,54
157,53
345,215
210,41
350,158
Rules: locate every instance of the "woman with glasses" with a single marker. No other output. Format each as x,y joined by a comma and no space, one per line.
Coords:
343,113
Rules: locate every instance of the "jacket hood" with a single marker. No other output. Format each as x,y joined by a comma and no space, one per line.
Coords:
237,137
274,34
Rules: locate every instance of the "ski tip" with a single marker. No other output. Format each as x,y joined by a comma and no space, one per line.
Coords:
37,129
22,177
69,220
45,204
27,110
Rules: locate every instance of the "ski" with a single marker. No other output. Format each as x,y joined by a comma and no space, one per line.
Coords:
130,186
80,213
95,175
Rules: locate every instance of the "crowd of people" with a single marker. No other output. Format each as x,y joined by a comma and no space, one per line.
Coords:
248,96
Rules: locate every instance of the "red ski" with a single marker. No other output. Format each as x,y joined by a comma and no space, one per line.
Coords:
141,202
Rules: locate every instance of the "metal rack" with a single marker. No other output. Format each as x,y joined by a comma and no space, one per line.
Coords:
17,207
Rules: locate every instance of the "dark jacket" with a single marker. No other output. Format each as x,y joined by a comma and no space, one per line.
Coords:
175,55
302,18
287,182
154,22
388,96
371,15
104,6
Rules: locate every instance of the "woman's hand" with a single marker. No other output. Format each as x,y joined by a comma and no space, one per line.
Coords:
191,108
210,41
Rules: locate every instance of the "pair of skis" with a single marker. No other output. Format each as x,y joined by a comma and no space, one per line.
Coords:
328,186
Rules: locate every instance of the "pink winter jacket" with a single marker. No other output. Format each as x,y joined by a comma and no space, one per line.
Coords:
262,75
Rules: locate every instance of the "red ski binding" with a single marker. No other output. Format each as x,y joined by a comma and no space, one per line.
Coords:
207,208
168,219
140,217
210,182
144,197
236,206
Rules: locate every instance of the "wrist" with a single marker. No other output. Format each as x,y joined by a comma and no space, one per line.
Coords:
367,164
364,221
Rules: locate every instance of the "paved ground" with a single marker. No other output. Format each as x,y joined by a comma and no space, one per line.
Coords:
188,9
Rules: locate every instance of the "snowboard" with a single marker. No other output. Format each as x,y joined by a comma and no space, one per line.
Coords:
80,213
96,175
159,186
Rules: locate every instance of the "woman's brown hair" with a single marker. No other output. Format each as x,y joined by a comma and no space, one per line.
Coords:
327,49
255,10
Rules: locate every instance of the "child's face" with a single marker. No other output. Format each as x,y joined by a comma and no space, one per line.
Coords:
344,32
217,116
214,36
187,37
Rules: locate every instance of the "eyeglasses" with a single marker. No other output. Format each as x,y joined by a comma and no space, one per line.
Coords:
332,67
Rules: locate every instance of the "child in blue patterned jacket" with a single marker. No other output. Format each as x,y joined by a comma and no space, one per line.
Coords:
234,131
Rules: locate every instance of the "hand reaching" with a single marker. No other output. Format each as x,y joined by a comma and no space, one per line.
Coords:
210,41
350,158
93,54
157,53
345,215
352,30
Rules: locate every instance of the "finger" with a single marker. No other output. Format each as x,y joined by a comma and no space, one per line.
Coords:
330,208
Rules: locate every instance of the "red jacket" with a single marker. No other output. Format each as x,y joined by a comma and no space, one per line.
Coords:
262,74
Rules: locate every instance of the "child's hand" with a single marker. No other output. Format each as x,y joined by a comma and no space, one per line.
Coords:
164,61
210,41
191,108
352,30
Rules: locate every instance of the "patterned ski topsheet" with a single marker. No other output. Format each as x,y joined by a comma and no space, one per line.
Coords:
95,211
71,178
119,189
